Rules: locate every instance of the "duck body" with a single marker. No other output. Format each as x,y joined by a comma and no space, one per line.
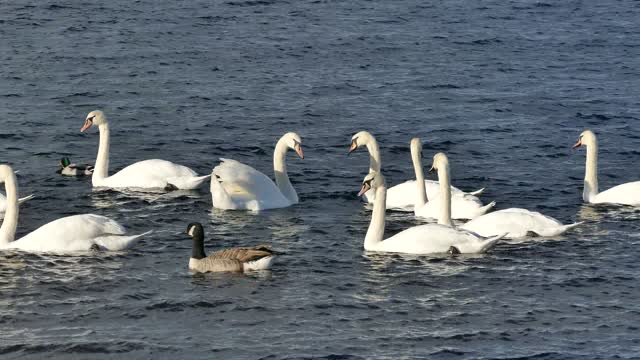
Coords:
517,223
69,169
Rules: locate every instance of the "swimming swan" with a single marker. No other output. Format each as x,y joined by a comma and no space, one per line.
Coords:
147,174
625,194
236,186
68,234
401,196
422,239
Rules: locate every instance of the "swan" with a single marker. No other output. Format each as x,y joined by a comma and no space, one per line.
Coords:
67,234
422,239
463,206
236,186
70,169
517,223
147,174
402,196
624,194
227,260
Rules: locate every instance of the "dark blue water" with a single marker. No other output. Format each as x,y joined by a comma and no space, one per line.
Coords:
503,87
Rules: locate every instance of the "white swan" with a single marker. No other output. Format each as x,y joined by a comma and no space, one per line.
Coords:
625,194
463,206
236,186
402,196
145,174
68,234
517,223
423,239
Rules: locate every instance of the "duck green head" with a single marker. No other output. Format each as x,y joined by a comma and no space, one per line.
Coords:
65,162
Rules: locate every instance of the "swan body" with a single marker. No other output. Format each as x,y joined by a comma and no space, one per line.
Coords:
239,259
402,197
236,186
463,206
517,223
624,194
423,239
148,174
68,234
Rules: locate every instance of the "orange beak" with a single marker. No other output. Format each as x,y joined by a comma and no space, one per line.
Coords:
365,187
87,124
578,144
353,147
299,151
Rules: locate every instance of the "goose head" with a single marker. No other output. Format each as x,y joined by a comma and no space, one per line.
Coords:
96,117
363,138
293,142
587,138
196,232
440,161
373,180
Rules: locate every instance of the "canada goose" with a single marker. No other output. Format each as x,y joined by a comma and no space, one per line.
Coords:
238,259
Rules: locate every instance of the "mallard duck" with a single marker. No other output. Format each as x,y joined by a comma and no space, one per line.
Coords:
69,169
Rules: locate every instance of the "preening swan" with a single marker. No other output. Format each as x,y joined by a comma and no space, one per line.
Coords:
233,259
402,196
236,186
517,223
68,234
423,239
463,206
625,194
147,174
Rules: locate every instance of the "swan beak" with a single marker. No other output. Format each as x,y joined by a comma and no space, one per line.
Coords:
365,187
87,124
432,169
299,151
578,144
353,147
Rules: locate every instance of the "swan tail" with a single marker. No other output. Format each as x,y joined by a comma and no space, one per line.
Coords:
484,209
119,242
477,192
491,242
565,228
26,198
187,183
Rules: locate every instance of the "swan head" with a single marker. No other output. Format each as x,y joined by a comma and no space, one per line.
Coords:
587,138
361,138
294,142
440,161
96,117
373,180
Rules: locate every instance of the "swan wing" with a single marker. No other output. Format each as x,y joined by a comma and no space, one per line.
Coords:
434,238
403,196
153,173
516,222
463,206
625,194
244,184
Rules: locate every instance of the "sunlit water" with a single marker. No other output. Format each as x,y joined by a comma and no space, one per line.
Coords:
504,88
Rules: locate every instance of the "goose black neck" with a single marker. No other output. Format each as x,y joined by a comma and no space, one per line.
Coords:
197,251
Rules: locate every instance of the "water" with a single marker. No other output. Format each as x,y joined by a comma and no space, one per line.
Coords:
504,88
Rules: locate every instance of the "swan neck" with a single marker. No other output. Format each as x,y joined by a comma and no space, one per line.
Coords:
374,155
421,199
101,168
280,172
375,232
591,172
10,222
445,195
